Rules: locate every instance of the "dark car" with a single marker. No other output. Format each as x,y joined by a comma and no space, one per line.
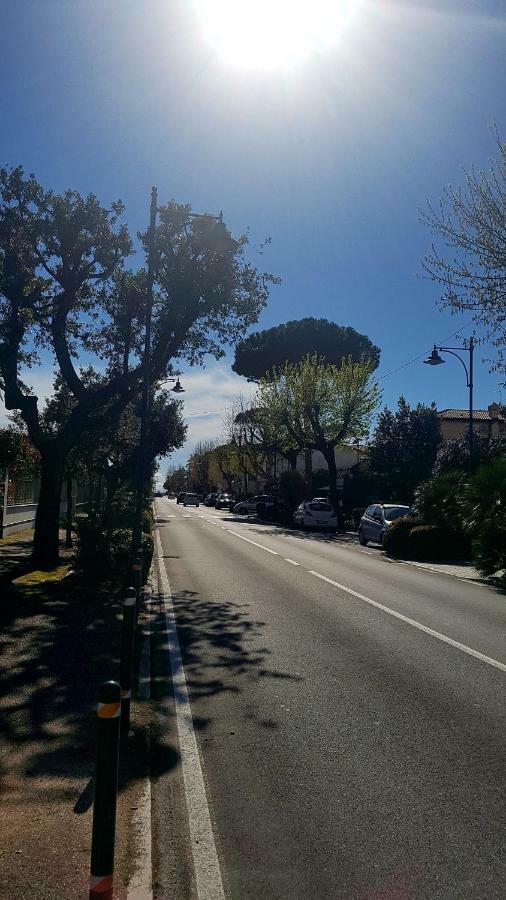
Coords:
180,497
377,519
210,500
225,501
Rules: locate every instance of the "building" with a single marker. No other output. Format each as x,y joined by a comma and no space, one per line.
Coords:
487,423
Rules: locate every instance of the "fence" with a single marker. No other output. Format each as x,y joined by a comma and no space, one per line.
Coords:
19,498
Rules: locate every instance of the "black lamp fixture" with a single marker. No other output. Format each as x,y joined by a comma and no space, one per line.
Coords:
434,359
178,388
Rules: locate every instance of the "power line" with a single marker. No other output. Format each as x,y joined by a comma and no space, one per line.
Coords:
421,356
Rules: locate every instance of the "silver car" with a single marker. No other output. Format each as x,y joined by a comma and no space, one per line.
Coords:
376,520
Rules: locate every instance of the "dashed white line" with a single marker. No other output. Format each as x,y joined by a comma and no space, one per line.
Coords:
249,541
291,561
208,878
436,634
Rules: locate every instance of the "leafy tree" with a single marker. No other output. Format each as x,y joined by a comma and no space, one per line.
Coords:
18,453
64,291
455,454
175,480
112,454
223,465
403,448
319,406
469,259
199,479
291,342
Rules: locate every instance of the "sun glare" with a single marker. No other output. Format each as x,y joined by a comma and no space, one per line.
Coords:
272,34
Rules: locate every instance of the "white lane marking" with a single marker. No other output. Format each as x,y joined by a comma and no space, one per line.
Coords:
187,516
291,561
249,541
205,857
392,612
140,886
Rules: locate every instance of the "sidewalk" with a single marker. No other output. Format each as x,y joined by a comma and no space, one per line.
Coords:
58,641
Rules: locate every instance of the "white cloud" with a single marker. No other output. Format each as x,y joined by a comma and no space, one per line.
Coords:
208,393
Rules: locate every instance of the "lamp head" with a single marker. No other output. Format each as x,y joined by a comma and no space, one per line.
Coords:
434,359
177,388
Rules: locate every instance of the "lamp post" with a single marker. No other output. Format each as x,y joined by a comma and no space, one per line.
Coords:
220,240
434,359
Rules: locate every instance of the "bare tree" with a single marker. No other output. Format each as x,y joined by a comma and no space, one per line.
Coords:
470,223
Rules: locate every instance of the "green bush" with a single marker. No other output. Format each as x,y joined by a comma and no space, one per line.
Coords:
438,501
396,539
485,518
433,542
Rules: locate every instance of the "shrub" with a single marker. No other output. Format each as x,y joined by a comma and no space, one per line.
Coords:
433,542
485,518
438,501
396,540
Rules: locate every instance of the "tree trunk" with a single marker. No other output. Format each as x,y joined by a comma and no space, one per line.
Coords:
308,472
47,521
330,459
70,512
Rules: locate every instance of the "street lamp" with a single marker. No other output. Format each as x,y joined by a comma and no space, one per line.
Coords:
220,240
434,359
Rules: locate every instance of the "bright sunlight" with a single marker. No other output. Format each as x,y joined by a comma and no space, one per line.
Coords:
273,34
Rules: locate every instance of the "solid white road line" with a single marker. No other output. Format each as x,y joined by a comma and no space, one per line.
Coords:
391,612
205,858
140,884
249,541
291,561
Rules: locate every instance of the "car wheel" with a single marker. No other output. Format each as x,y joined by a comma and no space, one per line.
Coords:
361,539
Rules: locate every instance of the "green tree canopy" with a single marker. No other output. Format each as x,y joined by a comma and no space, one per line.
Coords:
315,406
403,448
257,354
64,290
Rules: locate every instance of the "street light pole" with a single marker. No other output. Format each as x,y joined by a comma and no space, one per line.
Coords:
141,466
434,359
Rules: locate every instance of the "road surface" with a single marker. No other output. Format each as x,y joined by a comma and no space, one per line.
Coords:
348,713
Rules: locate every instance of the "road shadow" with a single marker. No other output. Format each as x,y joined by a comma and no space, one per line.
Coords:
221,651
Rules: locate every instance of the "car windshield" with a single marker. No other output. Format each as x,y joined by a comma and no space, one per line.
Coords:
395,512
320,506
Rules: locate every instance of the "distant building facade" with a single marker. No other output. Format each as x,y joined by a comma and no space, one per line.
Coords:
487,423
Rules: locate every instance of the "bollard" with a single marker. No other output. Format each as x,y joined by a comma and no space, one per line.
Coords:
127,655
106,789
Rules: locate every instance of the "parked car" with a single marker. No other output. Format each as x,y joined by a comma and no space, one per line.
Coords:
376,520
225,501
191,500
315,514
210,500
248,507
180,497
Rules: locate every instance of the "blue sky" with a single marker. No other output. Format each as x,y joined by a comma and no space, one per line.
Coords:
331,159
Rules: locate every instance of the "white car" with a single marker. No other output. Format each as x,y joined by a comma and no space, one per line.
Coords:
315,514
249,507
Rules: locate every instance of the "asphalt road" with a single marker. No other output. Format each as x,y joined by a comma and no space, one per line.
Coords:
349,713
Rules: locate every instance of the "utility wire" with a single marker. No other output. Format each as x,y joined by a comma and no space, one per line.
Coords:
417,358
211,412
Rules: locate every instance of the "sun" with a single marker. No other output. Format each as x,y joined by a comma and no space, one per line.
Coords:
272,34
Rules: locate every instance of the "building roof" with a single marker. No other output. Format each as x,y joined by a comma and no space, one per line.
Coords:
483,415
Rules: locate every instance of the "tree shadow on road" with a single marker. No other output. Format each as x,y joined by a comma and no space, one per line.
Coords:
221,650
